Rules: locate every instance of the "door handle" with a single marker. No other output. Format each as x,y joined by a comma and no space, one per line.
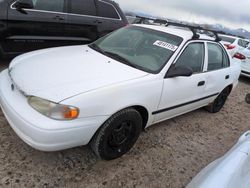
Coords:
201,83
58,18
227,77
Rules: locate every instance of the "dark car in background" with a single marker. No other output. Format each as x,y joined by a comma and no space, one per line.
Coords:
27,25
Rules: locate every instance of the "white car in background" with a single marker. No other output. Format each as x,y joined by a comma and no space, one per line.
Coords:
245,63
229,171
107,92
234,44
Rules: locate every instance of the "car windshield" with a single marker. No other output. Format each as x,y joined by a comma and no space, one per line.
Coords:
139,47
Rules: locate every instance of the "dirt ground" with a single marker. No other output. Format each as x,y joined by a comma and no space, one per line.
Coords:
167,155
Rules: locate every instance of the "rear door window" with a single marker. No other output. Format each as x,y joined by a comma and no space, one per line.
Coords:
49,5
82,7
243,43
107,10
217,58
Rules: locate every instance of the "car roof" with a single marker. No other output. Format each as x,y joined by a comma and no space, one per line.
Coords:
182,32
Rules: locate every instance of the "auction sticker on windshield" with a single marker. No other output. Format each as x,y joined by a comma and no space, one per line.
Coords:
165,45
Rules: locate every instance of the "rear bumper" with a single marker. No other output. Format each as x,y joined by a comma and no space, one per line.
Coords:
245,73
38,131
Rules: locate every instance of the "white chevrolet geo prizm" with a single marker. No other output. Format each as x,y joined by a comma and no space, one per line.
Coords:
104,94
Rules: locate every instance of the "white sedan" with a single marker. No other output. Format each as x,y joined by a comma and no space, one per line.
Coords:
104,94
229,171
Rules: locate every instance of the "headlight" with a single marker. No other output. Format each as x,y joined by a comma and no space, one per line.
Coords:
53,110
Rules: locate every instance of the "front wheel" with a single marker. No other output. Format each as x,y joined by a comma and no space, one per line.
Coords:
219,102
118,134
248,98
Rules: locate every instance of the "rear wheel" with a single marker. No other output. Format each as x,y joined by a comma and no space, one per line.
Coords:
219,102
248,98
118,134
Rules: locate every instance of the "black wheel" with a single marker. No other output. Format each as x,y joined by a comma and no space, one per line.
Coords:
219,102
118,134
248,98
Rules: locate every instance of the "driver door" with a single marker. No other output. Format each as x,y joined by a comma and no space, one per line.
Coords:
183,94
42,26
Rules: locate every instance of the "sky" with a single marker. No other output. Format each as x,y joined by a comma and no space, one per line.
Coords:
230,13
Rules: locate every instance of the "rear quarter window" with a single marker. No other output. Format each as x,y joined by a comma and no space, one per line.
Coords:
217,57
82,7
107,10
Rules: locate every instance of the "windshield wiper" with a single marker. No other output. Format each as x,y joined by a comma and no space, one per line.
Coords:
120,58
97,48
112,55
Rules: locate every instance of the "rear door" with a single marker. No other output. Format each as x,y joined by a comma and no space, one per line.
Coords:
109,18
40,27
183,94
218,72
82,22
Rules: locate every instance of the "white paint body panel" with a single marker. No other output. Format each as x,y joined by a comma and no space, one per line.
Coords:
245,64
229,171
99,86
63,72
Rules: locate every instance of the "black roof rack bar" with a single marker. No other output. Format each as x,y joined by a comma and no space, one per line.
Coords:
144,18
193,29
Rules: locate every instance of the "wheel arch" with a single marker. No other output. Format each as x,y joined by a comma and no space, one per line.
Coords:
144,114
141,109
230,88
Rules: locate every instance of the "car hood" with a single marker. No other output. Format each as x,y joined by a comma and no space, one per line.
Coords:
60,73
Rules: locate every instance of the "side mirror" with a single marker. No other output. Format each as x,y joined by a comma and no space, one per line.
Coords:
179,71
24,4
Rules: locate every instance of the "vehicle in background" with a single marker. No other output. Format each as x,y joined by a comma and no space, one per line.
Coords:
234,44
131,19
27,25
239,49
115,87
245,62
140,20
230,171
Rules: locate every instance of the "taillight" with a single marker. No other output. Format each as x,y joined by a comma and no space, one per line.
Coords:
240,56
229,46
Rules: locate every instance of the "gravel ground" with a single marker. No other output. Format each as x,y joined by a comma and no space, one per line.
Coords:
166,155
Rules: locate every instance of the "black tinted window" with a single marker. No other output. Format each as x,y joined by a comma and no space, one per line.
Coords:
216,57
243,43
192,57
107,10
49,5
83,7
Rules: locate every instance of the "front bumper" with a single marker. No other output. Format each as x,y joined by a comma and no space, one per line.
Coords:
38,131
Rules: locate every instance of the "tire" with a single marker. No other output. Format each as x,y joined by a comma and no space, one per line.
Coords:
117,135
248,98
219,102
